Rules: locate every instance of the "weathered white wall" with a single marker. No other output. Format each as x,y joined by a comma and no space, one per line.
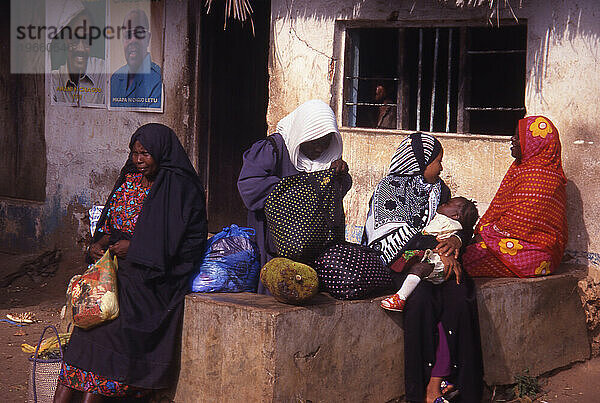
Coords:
87,147
563,83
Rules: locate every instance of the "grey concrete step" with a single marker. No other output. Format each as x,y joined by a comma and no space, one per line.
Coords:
250,348
535,324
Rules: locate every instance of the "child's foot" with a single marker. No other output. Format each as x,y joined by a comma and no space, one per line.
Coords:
393,303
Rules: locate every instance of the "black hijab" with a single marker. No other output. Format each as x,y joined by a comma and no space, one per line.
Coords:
171,227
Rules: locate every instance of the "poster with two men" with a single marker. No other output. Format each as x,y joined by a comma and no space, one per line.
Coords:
106,53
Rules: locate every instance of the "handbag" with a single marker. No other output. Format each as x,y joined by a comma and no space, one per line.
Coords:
44,373
93,295
304,215
352,271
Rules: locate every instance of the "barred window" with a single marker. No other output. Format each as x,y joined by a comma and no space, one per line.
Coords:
448,79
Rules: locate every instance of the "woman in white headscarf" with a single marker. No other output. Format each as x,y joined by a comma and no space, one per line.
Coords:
307,140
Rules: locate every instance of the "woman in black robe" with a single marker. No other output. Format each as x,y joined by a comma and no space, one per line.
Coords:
154,221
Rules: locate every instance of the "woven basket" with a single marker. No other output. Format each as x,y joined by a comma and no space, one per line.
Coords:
44,374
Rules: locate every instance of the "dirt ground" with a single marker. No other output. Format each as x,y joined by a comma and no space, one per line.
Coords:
45,298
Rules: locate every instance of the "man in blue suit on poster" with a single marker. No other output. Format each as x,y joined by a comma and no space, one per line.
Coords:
138,84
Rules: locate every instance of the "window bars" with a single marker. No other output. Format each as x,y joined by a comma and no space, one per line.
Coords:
436,67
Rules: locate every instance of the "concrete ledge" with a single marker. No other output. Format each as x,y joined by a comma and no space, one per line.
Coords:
536,324
248,347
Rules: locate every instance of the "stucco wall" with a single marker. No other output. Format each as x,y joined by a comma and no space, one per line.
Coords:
563,83
87,147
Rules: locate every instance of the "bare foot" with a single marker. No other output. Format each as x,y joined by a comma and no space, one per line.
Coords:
433,389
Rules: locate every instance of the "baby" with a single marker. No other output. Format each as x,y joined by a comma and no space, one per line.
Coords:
421,262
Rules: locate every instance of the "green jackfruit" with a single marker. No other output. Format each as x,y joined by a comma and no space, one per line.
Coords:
290,282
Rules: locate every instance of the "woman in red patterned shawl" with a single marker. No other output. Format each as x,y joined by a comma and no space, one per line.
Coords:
524,231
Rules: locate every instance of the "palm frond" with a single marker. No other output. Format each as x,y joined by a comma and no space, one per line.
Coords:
494,6
240,10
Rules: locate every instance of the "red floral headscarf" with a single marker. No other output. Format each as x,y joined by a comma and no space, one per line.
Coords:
525,225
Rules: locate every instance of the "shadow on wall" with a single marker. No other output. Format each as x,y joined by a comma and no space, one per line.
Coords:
579,239
566,23
297,23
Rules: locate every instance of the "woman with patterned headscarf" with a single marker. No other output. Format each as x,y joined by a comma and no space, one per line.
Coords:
524,231
441,337
407,198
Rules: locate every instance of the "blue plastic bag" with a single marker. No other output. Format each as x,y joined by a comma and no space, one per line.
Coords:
231,262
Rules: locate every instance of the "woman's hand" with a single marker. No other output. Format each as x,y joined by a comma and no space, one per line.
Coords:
340,166
96,250
119,248
451,265
449,246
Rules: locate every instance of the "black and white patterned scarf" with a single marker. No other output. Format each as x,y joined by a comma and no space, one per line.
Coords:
403,202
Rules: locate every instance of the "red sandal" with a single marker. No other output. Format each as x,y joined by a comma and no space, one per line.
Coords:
393,303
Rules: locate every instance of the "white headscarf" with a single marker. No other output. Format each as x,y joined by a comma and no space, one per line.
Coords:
310,121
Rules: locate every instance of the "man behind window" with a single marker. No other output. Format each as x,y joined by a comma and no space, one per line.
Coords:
139,82
385,117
